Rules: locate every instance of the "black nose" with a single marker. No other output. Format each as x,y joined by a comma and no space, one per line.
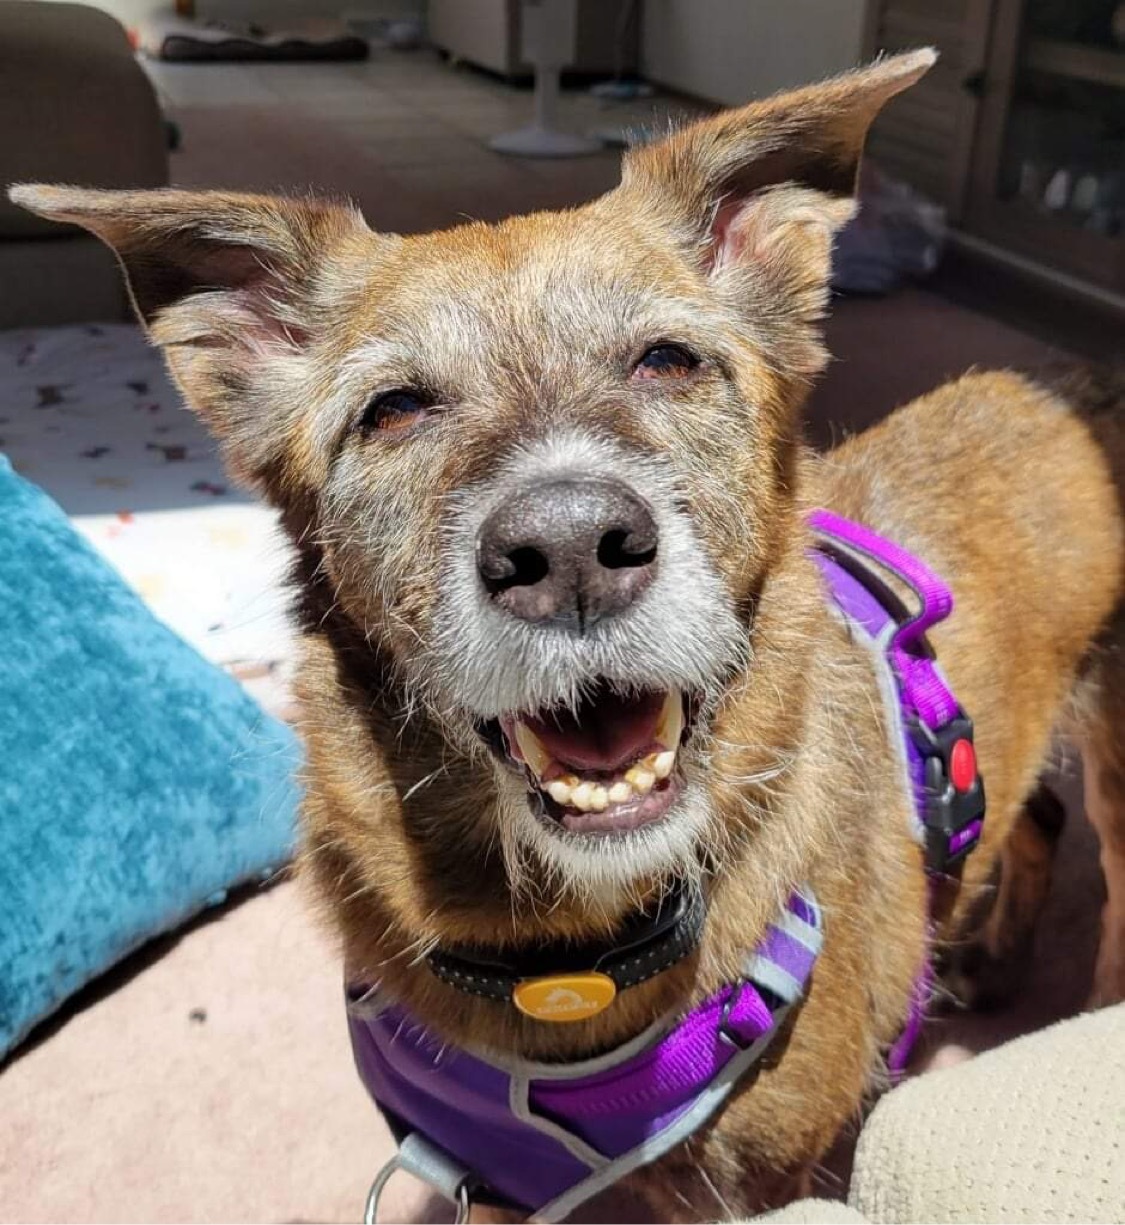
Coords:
569,552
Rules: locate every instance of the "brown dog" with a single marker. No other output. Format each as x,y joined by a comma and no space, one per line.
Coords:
553,465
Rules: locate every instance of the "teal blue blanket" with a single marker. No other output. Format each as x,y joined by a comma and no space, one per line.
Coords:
137,781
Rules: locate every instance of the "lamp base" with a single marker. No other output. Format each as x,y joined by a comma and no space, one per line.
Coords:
536,141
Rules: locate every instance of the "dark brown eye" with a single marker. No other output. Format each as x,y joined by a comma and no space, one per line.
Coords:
395,410
665,362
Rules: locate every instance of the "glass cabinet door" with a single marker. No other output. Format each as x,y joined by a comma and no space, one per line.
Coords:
1050,166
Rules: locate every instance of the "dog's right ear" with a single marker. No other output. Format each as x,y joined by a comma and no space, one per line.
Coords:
232,286
756,194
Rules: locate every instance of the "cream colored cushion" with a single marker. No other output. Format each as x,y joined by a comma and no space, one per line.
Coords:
812,1212
1032,1131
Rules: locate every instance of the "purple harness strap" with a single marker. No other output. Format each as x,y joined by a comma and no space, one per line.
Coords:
921,686
547,1137
949,814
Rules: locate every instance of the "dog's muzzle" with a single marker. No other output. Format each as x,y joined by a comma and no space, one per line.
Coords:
566,555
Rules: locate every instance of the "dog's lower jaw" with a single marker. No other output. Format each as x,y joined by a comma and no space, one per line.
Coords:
607,874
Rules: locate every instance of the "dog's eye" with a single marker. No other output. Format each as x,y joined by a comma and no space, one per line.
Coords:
665,362
395,410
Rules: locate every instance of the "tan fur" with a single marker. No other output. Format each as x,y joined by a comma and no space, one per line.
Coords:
1104,768
281,318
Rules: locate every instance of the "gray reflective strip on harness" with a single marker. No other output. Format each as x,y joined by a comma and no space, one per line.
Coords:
683,1128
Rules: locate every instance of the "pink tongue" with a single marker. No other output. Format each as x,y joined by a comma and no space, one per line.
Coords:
607,733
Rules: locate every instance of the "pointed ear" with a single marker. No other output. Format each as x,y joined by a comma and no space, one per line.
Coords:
232,286
765,187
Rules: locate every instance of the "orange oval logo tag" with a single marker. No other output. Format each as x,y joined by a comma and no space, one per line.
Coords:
565,997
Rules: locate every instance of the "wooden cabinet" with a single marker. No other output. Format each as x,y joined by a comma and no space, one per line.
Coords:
1020,129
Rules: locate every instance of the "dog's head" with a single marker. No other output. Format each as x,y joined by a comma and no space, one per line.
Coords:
543,469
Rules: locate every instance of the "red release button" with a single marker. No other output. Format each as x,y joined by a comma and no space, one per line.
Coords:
963,765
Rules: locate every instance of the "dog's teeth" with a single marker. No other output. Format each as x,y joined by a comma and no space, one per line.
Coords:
560,791
641,779
671,725
582,797
532,749
619,793
599,799
663,763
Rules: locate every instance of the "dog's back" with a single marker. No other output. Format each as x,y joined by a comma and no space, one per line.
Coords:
1013,490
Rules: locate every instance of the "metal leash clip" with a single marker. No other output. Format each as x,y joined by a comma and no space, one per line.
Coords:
434,1166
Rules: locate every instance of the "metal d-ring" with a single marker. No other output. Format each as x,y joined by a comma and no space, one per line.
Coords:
371,1205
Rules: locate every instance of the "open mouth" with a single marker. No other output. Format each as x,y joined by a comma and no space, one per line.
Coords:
609,766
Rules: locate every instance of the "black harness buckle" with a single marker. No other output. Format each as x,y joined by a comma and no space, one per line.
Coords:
954,792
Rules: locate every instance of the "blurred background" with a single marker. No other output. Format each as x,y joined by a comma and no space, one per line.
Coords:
1017,136
207,1076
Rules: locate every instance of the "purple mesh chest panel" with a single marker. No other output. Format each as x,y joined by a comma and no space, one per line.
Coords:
545,1138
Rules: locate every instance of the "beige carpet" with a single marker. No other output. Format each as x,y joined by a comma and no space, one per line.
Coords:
213,1084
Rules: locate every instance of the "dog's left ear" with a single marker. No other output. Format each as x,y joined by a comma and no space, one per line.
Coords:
234,288
763,189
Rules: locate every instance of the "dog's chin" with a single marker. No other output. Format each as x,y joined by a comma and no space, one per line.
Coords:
611,865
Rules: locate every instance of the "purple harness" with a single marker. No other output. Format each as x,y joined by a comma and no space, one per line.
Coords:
544,1138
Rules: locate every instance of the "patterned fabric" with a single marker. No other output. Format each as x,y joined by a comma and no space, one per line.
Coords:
1031,1131
89,414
